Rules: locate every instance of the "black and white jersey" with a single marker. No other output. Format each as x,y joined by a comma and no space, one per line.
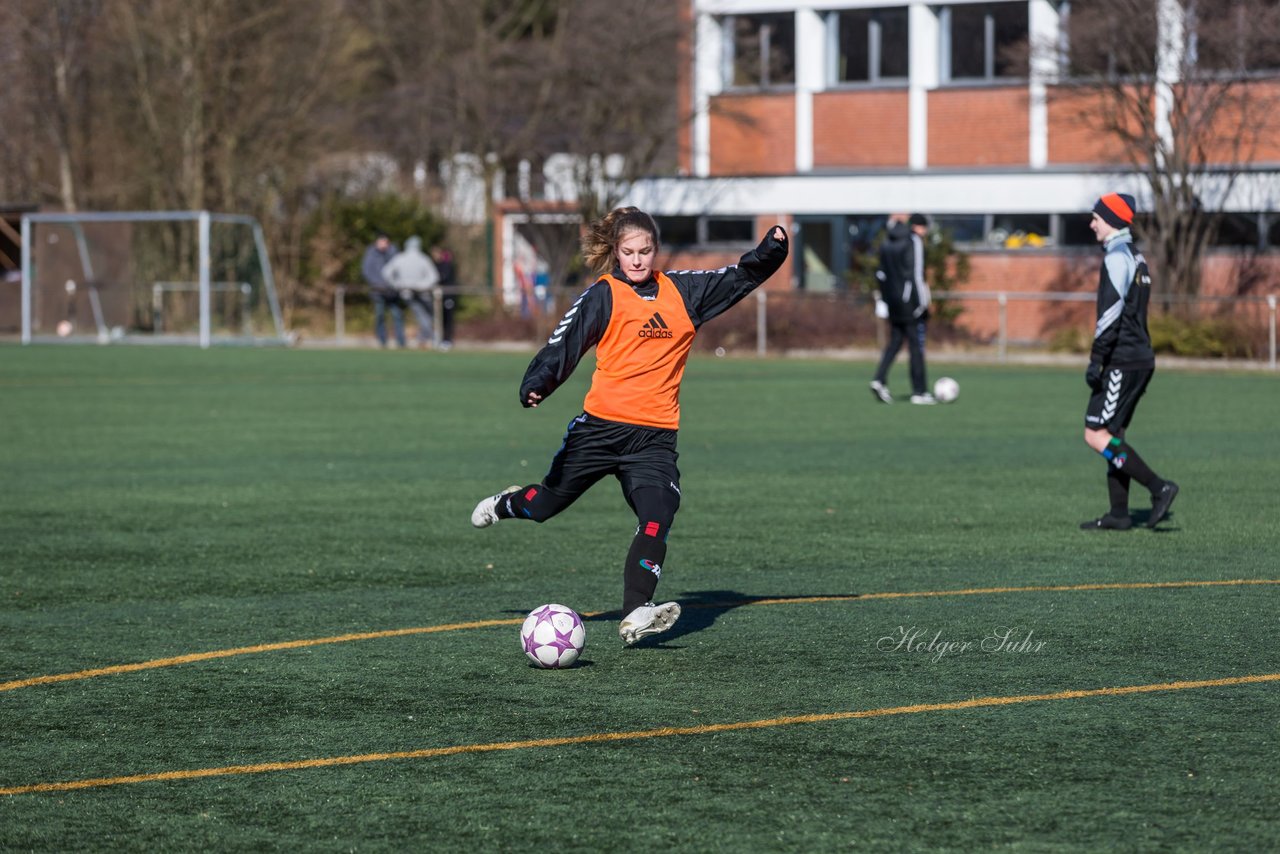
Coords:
1120,338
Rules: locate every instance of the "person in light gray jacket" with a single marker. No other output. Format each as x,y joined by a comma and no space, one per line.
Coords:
414,274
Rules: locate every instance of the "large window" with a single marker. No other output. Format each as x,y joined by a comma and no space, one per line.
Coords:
1234,36
1109,40
761,50
1002,230
1238,229
985,41
1074,230
965,229
678,230
871,45
730,229
1242,230
702,230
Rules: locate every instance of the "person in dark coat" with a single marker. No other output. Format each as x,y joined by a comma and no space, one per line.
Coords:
384,296
448,280
905,298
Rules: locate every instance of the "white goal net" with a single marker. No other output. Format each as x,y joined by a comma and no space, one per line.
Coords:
178,277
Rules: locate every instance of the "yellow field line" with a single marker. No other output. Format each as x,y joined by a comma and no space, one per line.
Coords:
1046,588
194,657
663,732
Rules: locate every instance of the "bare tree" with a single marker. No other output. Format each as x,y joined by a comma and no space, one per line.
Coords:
1184,93
229,105
18,176
584,83
226,96
615,119
241,105
54,50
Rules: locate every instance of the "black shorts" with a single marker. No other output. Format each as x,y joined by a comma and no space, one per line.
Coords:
1111,406
593,448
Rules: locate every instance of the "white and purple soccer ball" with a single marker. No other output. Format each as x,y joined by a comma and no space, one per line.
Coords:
553,636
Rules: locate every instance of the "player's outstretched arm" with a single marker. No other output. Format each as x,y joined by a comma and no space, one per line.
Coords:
575,334
712,292
763,261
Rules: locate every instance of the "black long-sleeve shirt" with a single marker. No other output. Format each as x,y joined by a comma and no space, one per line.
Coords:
706,294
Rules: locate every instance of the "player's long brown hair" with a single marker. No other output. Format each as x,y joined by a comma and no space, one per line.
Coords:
602,236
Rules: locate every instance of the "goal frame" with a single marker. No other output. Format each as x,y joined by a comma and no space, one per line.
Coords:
204,285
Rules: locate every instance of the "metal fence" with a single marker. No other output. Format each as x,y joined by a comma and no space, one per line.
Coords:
844,317
1002,299
437,298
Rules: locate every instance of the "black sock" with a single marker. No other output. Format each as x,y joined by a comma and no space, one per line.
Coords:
1122,456
1118,492
508,508
644,567
655,512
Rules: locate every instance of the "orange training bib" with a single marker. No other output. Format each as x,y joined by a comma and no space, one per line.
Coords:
640,359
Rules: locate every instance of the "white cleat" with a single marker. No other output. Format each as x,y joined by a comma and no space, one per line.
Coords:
648,619
486,512
925,399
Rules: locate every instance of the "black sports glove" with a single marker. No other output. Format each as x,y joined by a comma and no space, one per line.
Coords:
531,396
1093,375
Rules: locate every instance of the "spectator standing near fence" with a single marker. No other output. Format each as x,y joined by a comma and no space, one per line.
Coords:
413,274
384,297
1121,363
449,301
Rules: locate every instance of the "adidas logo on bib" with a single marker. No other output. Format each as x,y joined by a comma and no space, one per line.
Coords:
656,328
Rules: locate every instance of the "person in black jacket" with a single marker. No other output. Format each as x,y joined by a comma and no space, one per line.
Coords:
1121,363
448,270
905,300
642,323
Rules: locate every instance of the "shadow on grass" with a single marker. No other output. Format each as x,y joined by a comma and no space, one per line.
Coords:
577,665
699,609
1142,517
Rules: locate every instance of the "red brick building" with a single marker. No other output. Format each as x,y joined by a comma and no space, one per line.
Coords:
830,116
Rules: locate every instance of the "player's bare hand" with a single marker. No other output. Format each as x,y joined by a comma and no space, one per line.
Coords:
533,399
779,234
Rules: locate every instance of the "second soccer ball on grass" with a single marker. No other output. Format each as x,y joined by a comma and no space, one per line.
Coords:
946,389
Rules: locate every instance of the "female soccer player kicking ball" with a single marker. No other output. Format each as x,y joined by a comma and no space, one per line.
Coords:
642,324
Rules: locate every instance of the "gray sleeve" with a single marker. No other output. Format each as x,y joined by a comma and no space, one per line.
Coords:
917,272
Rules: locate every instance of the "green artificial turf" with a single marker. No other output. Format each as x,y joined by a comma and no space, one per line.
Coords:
157,503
